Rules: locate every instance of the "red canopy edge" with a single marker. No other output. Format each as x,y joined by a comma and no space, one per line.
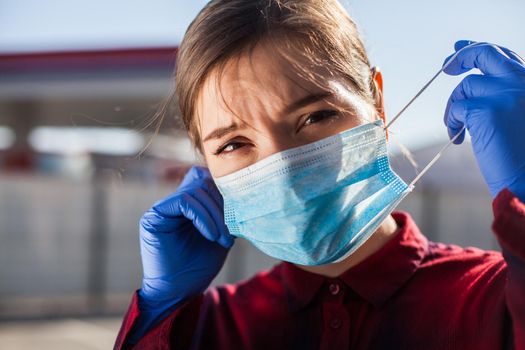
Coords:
131,58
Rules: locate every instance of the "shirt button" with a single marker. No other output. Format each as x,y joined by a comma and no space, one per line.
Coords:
335,323
334,288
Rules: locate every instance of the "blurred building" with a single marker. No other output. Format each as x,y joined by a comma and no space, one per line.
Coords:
81,157
76,175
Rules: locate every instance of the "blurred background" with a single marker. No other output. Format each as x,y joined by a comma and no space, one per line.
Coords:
81,157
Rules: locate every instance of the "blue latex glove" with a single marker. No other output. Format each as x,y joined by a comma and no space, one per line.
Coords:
183,242
492,105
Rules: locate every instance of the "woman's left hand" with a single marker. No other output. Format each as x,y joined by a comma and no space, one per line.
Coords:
492,105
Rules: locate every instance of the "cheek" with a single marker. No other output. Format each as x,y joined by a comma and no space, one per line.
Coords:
220,166
211,162
214,167
350,120
215,164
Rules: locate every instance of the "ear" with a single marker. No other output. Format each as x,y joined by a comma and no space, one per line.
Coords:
379,101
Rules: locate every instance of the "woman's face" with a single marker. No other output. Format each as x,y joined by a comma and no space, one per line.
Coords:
261,105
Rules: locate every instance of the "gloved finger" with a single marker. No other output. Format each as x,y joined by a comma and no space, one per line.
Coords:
183,204
464,112
459,45
455,119
453,131
513,55
202,219
193,179
209,186
154,222
216,211
195,173
202,172
477,85
488,58
453,127
474,86
226,239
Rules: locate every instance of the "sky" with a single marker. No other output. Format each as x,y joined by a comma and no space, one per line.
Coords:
408,40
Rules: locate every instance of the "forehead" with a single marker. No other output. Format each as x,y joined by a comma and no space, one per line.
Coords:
259,75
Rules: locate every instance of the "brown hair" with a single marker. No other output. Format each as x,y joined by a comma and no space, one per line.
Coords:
224,28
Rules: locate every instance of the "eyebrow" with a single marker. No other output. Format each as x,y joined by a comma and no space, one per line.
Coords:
221,132
307,100
302,102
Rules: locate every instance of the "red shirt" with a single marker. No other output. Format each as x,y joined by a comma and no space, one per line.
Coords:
411,294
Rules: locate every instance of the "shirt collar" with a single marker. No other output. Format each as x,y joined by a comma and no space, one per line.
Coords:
376,278
301,286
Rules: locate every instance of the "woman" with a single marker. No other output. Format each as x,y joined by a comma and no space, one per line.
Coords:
280,99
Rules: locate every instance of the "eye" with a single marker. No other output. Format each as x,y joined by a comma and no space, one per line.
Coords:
320,116
229,147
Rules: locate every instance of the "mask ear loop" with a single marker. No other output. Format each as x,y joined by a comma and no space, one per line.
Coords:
440,153
435,159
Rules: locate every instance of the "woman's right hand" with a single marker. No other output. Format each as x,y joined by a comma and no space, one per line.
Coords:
183,242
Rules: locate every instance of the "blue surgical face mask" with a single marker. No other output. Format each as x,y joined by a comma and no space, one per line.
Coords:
317,203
